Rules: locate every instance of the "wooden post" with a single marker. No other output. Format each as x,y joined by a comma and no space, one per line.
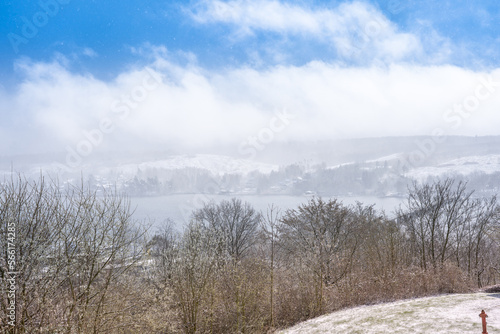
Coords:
484,316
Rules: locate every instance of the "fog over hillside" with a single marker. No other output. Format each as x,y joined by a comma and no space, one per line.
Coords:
357,167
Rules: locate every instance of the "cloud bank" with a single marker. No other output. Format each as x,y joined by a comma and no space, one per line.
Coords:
403,88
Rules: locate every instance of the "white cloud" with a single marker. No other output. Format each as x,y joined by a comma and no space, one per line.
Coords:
194,107
259,15
356,30
89,52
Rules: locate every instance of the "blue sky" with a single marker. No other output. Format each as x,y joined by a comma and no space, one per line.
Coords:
111,28
241,61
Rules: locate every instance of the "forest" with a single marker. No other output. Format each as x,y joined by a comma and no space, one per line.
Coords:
79,263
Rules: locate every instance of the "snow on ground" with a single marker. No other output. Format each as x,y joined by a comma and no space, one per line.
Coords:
446,314
463,166
392,157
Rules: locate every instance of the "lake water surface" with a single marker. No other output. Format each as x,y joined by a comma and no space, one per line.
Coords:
179,207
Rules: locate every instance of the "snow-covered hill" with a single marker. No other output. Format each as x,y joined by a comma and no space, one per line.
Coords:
364,167
216,164
442,315
467,165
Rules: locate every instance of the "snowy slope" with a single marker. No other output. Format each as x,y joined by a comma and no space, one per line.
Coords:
216,164
463,166
392,157
442,315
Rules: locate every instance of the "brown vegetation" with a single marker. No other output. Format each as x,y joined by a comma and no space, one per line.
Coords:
84,268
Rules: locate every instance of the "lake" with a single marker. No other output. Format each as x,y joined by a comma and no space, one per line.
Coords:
179,207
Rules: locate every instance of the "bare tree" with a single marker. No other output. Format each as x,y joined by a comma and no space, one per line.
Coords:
234,221
270,225
31,210
102,248
322,236
194,270
445,223
433,214
476,236
383,249
163,249
71,246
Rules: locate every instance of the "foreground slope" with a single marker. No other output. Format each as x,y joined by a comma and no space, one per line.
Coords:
442,314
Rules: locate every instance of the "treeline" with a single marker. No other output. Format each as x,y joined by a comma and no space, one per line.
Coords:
362,179
84,267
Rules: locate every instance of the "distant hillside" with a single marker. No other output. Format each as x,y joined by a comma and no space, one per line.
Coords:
362,149
371,166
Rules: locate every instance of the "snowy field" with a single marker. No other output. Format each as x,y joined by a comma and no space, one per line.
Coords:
487,164
443,314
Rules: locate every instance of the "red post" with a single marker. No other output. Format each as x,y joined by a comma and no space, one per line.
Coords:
484,316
